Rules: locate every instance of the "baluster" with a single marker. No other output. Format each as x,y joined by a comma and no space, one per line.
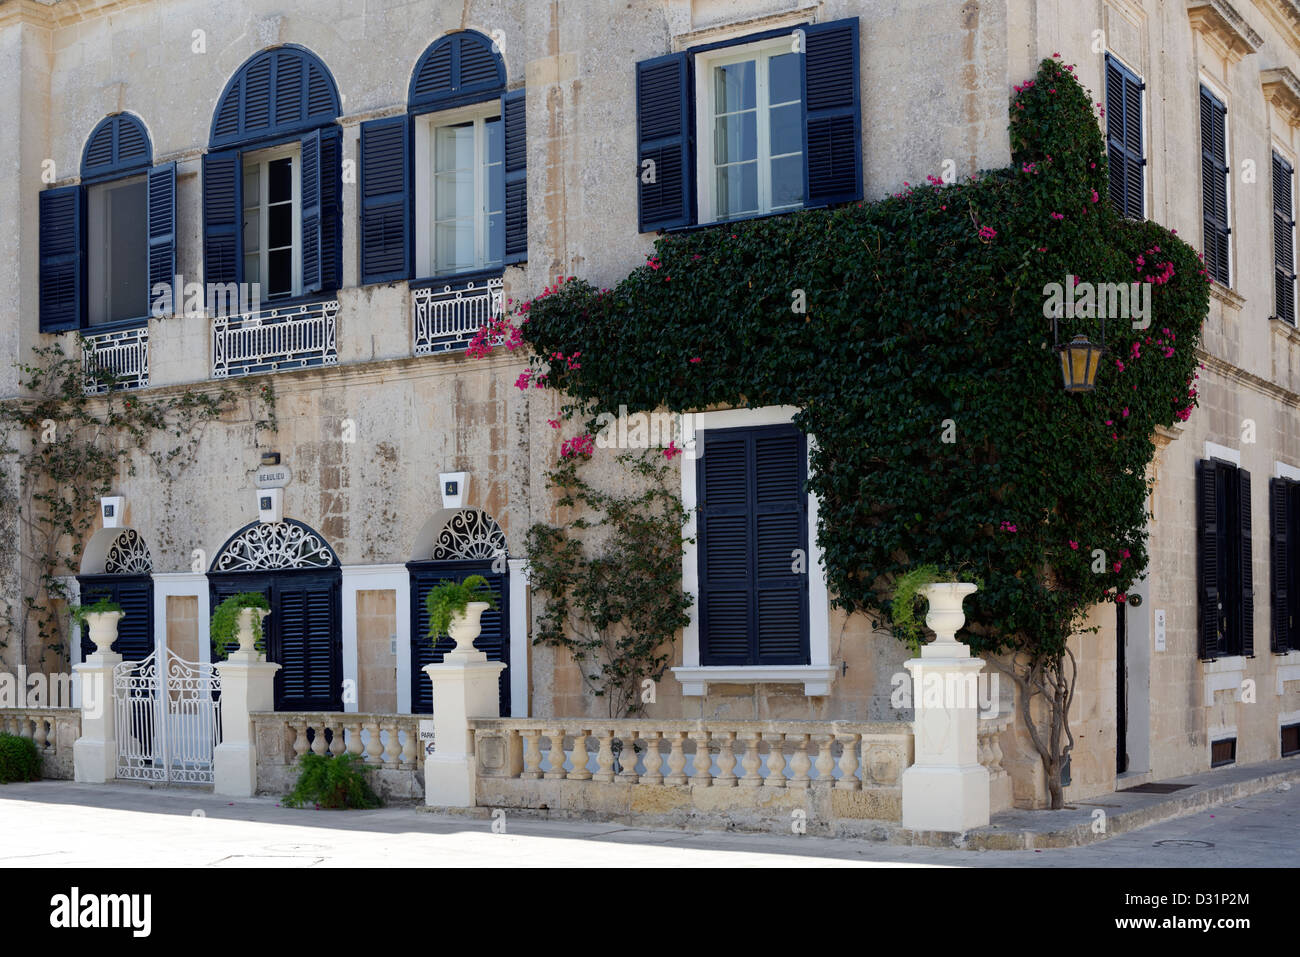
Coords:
352,739
411,750
775,759
580,772
751,761
337,746
800,764
995,757
532,755
627,758
848,780
38,734
605,757
982,750
653,759
556,737
25,726
392,753
726,760
299,729
703,759
318,739
677,759
825,761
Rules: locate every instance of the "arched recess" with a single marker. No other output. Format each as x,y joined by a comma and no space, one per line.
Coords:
452,545
117,565
296,569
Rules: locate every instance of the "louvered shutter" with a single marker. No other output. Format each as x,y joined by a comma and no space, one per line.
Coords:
135,633
162,229
513,113
1124,140
493,639
62,258
117,146
1279,517
331,208
665,198
222,217
305,643
753,527
1283,240
310,183
1208,546
1247,572
1214,176
832,123
386,246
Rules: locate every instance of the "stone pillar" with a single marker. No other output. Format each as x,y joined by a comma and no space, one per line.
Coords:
94,755
247,685
465,686
946,788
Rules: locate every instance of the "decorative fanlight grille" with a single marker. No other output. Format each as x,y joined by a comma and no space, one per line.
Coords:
128,555
469,534
268,546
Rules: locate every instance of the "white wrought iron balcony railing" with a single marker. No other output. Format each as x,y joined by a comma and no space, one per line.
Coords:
448,316
270,340
115,360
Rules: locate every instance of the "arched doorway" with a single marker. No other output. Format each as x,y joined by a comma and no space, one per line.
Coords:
469,542
295,568
117,565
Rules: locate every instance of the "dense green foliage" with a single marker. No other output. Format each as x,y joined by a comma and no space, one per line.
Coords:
225,620
332,782
923,365
449,598
612,579
19,759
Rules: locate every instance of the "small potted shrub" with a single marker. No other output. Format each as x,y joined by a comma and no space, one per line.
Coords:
943,592
455,609
239,619
101,620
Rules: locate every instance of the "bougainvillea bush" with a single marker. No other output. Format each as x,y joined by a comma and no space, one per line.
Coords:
923,363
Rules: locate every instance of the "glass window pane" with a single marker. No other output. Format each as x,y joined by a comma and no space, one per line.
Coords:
496,232
735,138
454,147
253,268
737,190
252,186
453,194
279,280
252,230
280,180
786,123
279,226
496,141
787,181
454,245
117,230
735,87
783,78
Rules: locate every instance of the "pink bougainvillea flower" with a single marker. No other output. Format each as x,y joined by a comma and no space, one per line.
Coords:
1073,544
988,232
1121,599
1125,412
553,423
1058,216
1117,566
1095,197
695,359
672,450
524,378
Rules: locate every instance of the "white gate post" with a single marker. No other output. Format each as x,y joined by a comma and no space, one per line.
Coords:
94,754
247,685
946,789
466,685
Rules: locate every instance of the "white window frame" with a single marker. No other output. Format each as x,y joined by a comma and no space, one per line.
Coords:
694,677
102,246
425,125
761,51
1222,97
262,159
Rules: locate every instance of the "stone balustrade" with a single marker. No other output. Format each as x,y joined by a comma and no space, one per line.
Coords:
53,730
389,743
755,771
990,755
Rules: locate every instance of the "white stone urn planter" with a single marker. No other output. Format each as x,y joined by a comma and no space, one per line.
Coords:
247,640
102,626
945,618
465,627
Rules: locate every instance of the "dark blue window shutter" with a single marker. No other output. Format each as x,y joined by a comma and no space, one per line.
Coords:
311,211
62,258
135,627
1209,542
386,246
306,646
513,115
1246,565
493,639
1280,520
457,69
664,137
753,526
117,146
331,208
276,92
162,228
832,119
1214,186
223,214
1283,240
1124,150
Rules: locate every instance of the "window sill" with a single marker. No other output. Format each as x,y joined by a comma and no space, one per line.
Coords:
1288,669
115,326
458,278
1226,296
816,679
1284,328
1223,674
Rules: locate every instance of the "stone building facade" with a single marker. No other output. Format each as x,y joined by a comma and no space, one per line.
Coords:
373,412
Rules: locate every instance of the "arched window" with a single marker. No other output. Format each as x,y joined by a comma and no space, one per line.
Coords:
108,241
272,178
443,188
118,566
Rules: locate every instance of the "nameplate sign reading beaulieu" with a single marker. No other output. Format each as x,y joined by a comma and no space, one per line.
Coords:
274,476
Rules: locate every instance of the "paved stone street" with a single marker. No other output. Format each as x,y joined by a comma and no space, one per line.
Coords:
59,824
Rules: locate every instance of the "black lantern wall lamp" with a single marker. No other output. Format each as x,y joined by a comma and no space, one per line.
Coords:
1080,358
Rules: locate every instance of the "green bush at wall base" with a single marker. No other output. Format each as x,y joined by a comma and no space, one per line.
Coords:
332,782
19,759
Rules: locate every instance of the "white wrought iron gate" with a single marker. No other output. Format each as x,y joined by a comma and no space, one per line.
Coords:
167,719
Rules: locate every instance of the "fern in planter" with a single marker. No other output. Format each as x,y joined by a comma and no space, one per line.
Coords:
225,621
79,612
909,587
333,783
19,759
448,599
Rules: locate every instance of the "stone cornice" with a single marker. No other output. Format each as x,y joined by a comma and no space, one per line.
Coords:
1285,15
1227,370
52,14
1226,29
1282,89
